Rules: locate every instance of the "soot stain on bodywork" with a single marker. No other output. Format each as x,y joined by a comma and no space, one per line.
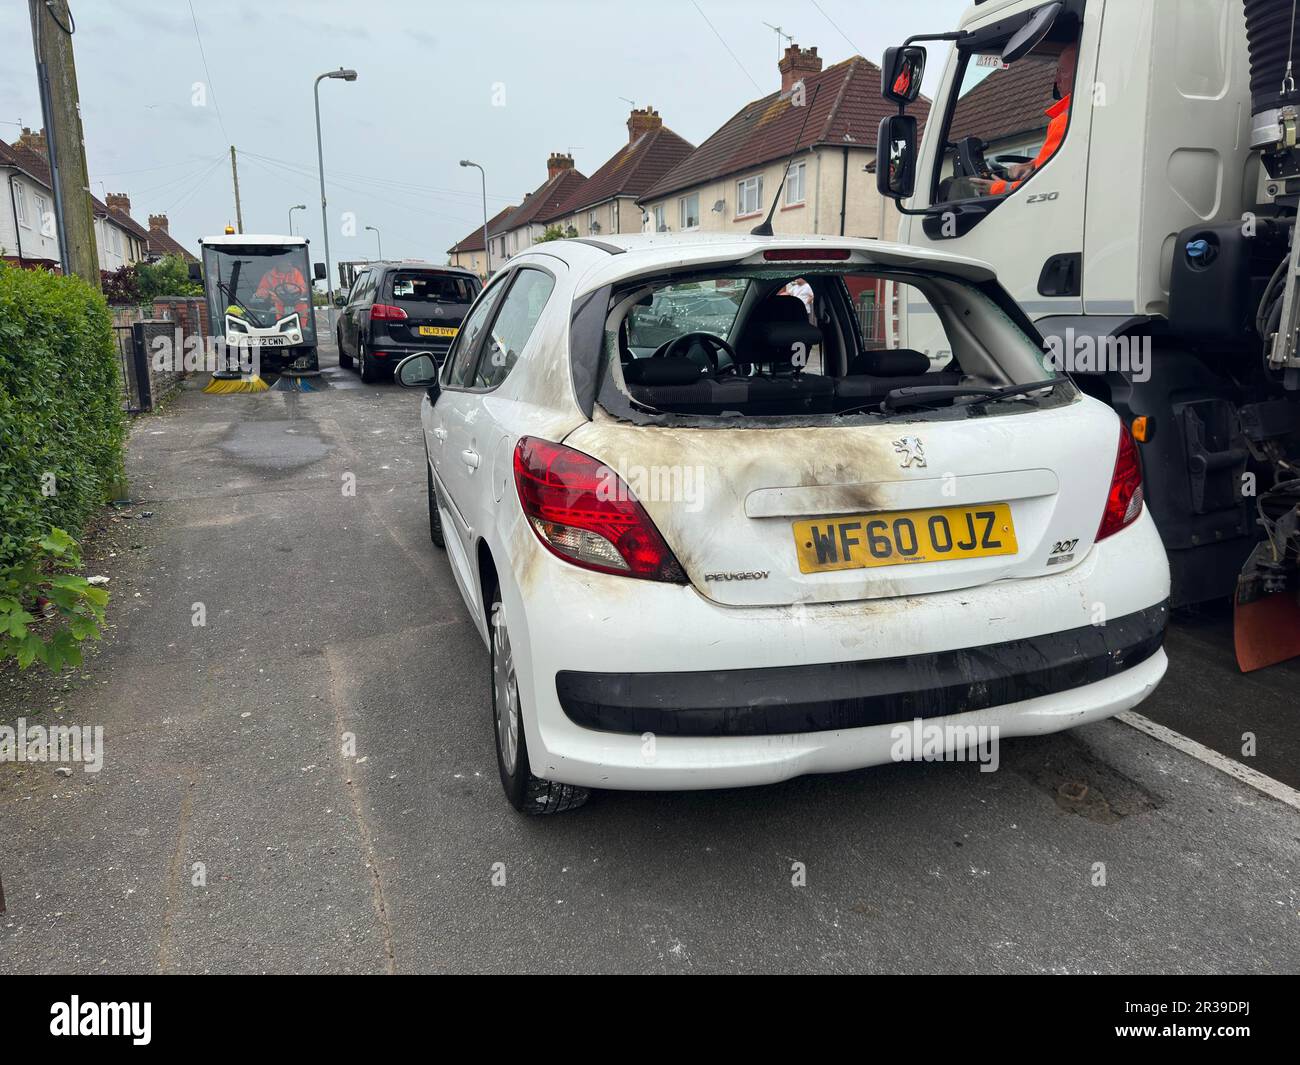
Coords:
728,464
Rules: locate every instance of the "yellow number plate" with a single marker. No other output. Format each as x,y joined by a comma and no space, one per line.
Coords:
436,331
898,537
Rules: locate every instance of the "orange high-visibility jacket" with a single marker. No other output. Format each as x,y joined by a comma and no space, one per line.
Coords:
1059,113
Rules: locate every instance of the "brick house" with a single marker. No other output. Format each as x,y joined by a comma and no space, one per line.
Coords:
607,201
162,243
727,183
29,235
121,240
469,251
524,224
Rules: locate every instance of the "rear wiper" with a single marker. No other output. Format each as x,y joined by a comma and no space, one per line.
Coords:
922,395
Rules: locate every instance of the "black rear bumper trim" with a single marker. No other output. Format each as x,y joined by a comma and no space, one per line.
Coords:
781,700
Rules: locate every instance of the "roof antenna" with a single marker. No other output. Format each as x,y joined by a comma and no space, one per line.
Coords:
780,35
765,229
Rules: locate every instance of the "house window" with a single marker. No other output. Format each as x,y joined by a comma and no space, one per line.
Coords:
661,223
794,185
44,219
689,211
21,200
593,223
749,195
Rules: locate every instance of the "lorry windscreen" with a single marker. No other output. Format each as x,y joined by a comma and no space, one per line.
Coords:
265,283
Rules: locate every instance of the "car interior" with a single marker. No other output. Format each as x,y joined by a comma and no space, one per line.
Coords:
749,346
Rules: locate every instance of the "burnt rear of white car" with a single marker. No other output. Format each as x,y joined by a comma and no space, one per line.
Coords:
795,456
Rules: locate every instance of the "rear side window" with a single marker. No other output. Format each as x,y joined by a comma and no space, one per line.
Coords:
895,316
513,326
461,360
359,287
412,286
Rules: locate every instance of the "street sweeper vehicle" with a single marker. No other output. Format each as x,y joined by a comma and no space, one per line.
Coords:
259,300
1131,168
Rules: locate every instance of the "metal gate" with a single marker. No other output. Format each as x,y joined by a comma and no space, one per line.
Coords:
133,362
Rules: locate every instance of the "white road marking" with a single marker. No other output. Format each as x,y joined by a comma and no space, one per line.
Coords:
1274,789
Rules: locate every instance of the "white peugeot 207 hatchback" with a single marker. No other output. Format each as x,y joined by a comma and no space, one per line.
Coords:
719,525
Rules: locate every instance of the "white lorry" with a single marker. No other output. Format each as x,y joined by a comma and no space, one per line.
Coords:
1131,169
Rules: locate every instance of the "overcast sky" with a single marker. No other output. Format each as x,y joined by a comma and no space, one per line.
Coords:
502,82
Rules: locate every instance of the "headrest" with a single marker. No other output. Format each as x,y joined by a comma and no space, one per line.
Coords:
777,325
662,372
894,362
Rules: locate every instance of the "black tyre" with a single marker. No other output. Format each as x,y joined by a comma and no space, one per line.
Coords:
344,360
365,365
526,793
435,519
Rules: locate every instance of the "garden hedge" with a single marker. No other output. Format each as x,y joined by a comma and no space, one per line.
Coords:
61,420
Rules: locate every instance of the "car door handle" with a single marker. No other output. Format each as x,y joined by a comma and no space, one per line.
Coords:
471,458
440,434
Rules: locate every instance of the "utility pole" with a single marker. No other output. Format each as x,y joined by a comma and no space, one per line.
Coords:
56,73
234,172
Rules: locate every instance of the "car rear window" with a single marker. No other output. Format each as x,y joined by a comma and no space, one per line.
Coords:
412,286
821,342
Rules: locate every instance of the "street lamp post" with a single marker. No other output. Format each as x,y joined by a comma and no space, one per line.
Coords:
345,75
378,243
487,248
295,207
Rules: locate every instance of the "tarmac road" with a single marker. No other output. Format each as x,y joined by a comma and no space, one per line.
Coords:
227,831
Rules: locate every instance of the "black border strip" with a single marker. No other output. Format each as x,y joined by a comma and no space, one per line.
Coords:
782,700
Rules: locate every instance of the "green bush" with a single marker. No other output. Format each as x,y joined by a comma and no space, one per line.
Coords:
61,425
169,276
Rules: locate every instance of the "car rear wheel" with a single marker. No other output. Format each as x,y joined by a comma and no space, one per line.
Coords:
435,519
344,360
365,366
527,793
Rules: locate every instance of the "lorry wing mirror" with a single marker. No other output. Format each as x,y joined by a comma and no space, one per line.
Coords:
196,271
896,157
901,72
1031,34
318,271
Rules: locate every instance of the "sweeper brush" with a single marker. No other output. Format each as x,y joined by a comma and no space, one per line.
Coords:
224,386
290,382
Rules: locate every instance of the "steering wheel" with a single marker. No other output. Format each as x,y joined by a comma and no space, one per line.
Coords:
711,343
287,291
971,161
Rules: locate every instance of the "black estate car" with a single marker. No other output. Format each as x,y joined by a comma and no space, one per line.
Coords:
396,308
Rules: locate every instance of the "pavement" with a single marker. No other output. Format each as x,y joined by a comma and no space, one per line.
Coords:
306,782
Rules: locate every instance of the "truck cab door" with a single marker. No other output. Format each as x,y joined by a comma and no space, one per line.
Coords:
991,114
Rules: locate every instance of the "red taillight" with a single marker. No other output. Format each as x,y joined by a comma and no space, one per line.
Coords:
583,512
382,311
1124,500
785,255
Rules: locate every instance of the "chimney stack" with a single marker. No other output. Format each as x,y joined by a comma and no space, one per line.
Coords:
557,162
158,221
797,64
33,142
642,120
118,201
